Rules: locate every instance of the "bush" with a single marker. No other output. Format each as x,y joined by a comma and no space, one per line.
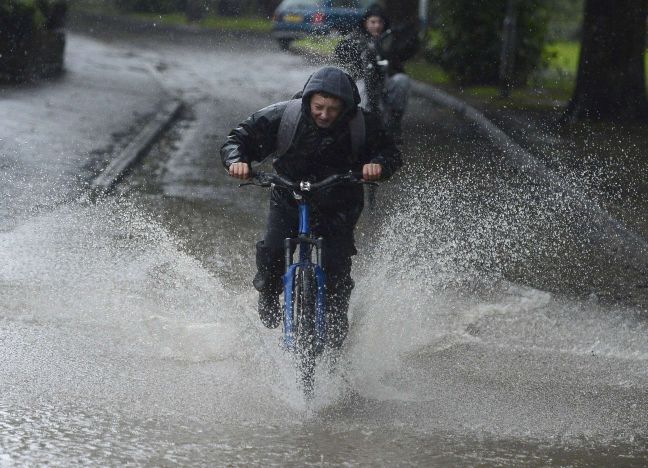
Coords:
31,44
151,6
470,41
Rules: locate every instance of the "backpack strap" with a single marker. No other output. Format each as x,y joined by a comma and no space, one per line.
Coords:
290,121
288,126
358,134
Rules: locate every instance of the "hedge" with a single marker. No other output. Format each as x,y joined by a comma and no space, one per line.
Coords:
31,40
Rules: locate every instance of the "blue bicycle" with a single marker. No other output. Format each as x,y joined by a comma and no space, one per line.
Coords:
304,281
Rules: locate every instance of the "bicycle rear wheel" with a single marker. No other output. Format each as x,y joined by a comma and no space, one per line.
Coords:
305,312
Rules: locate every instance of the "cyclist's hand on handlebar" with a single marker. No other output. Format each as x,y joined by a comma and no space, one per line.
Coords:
240,170
371,171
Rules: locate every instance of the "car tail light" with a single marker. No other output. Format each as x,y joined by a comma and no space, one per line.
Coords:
319,17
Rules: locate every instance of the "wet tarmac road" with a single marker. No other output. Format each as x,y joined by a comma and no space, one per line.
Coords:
132,338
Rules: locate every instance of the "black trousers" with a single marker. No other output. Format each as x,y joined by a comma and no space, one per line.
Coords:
339,247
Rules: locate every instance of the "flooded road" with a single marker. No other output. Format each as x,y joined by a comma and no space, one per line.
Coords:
130,336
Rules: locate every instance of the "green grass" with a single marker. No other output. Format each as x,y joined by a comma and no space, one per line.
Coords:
324,45
547,88
167,18
422,70
562,57
92,6
561,64
240,23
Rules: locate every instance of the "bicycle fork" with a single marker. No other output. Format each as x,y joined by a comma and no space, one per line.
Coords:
305,243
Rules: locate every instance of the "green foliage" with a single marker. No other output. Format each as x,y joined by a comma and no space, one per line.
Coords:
31,44
469,40
563,57
151,6
566,20
26,16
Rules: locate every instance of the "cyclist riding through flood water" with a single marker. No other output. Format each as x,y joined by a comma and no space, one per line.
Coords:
323,143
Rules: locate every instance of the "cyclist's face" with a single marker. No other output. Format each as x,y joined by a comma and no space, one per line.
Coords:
325,110
375,25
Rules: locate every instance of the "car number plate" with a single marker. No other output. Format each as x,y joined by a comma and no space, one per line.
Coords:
293,18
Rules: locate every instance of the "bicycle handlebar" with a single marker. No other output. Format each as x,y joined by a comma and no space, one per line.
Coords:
269,179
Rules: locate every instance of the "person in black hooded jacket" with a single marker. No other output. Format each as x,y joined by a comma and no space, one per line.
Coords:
357,53
321,147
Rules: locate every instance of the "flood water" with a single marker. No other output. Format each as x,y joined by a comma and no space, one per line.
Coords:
129,330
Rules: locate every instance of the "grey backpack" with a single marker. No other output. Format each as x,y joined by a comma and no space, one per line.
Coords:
290,121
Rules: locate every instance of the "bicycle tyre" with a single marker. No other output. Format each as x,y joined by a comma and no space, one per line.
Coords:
305,311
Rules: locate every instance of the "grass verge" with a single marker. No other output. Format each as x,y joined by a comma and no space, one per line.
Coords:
239,23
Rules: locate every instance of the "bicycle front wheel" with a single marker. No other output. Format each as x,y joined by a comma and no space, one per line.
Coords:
305,332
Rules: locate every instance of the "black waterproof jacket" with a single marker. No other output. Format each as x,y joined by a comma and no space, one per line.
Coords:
315,152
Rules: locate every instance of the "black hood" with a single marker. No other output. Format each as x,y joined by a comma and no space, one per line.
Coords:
374,10
333,81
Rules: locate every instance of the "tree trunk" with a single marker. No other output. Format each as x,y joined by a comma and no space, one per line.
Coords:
610,84
402,12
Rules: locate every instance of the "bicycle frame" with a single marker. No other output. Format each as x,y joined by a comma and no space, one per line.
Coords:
304,243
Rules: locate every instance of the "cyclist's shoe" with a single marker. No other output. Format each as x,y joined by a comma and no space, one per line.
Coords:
337,321
269,309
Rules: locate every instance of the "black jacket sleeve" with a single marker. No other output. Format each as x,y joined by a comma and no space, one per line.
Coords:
255,138
380,147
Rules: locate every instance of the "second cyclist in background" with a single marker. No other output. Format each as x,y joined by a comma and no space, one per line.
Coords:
357,53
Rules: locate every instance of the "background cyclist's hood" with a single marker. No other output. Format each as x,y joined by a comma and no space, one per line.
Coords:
333,81
374,10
